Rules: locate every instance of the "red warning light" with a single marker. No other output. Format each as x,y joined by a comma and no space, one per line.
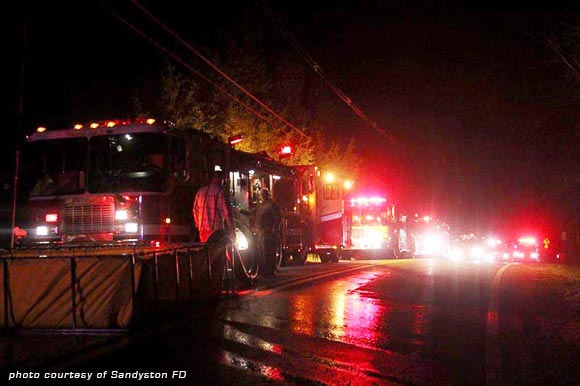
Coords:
235,139
286,151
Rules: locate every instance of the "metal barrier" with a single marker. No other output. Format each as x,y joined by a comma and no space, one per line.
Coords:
92,290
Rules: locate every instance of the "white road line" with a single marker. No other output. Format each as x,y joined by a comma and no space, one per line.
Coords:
492,344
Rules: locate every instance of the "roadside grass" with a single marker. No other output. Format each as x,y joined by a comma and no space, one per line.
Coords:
542,315
554,295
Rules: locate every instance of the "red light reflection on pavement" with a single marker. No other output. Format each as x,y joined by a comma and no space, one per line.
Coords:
350,316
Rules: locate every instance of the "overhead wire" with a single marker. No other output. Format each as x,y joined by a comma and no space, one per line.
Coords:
293,42
318,69
215,67
185,64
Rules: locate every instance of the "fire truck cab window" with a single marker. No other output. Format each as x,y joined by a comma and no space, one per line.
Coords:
125,162
331,192
178,156
239,189
283,193
257,184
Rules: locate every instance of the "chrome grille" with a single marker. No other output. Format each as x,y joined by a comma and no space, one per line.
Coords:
83,219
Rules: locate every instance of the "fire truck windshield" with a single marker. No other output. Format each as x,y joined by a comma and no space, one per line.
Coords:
371,215
126,162
102,164
54,167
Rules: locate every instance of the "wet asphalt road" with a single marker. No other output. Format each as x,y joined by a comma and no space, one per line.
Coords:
413,322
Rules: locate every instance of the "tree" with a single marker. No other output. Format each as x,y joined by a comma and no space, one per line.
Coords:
277,80
339,158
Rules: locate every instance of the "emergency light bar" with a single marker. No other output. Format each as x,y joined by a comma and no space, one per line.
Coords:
527,240
117,122
360,201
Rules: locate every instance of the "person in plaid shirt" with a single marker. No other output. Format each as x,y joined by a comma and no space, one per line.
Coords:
210,209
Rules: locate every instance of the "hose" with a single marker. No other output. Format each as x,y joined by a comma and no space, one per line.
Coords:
234,256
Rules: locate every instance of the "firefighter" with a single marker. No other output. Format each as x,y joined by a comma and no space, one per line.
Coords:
210,209
268,219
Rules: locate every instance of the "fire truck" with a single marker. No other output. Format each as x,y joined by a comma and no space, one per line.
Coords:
342,223
133,182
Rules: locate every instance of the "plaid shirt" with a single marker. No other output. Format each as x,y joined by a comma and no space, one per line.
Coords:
210,209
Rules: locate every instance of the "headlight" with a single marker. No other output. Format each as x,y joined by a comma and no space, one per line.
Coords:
121,214
131,227
41,231
241,240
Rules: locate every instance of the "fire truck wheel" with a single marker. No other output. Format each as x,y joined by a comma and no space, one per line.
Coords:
334,258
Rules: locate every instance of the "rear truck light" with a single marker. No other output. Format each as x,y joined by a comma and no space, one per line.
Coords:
51,217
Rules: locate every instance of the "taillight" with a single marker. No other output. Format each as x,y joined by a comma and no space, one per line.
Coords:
51,217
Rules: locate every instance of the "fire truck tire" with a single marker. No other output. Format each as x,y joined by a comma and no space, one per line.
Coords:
334,258
247,263
303,257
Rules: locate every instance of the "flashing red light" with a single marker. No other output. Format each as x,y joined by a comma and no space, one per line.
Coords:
167,220
286,151
51,217
235,139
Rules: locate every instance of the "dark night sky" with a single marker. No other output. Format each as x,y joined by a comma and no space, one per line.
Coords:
485,118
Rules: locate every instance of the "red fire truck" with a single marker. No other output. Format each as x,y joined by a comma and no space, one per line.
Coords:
133,182
347,224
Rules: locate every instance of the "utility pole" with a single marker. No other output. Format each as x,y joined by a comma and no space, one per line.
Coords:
19,129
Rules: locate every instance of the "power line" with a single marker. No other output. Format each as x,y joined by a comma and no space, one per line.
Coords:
214,67
316,67
182,62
